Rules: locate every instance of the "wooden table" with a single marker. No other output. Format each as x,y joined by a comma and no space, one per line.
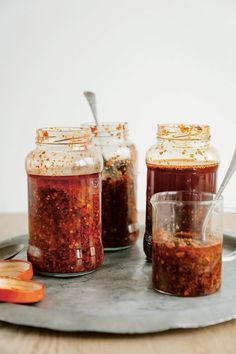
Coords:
15,339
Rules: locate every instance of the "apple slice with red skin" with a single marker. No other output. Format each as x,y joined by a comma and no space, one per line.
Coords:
16,269
20,291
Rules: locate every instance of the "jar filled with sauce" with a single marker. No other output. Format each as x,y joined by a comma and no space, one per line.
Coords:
64,203
119,201
182,159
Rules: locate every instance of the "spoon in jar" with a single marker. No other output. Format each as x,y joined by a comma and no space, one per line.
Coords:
228,175
91,98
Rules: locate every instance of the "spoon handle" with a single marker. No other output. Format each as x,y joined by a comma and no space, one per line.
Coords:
10,250
91,98
229,174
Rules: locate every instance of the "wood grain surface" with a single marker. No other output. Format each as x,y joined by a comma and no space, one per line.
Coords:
15,339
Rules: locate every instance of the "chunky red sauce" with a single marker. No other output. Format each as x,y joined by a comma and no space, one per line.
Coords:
65,223
119,213
186,266
175,178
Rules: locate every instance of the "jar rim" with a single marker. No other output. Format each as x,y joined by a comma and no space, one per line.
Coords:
108,129
203,198
183,131
63,135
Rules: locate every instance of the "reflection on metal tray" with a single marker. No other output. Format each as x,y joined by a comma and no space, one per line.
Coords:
118,298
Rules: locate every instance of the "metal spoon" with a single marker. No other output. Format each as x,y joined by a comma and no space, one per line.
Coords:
228,175
91,98
10,250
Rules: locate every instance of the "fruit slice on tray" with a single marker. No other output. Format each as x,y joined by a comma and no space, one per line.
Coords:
16,269
20,291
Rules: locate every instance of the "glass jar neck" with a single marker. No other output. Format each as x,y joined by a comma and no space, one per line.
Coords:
109,131
63,138
181,136
184,132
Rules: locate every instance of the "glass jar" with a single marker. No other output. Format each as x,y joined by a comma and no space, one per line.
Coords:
64,203
182,159
119,202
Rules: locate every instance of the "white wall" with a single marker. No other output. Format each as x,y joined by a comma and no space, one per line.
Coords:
148,61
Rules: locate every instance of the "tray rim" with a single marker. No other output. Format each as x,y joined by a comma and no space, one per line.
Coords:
84,322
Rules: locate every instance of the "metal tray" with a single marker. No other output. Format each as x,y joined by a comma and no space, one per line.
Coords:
118,298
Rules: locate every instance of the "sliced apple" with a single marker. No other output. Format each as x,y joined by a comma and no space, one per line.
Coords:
20,291
16,269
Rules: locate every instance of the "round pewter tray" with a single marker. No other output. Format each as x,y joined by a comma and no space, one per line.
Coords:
118,298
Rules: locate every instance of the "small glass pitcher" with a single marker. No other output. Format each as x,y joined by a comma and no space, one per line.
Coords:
185,263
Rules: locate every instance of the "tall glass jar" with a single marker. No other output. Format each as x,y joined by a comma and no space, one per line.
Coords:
182,159
64,202
119,202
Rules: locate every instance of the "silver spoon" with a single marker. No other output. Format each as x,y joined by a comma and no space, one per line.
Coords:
10,250
228,175
91,98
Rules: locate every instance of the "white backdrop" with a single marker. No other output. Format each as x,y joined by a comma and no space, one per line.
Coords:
148,61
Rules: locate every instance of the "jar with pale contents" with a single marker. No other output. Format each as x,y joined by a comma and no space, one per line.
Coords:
64,203
119,178
182,159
